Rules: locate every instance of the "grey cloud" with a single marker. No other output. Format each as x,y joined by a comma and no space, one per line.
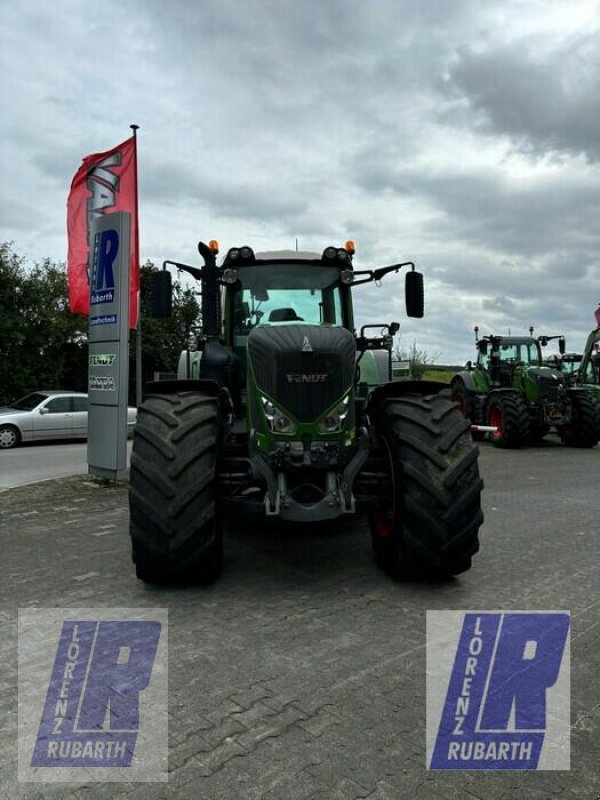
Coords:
485,207
172,184
545,100
499,303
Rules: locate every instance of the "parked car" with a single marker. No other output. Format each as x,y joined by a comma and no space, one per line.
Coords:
52,414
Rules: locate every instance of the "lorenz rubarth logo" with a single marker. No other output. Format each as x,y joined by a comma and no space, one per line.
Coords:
91,713
498,690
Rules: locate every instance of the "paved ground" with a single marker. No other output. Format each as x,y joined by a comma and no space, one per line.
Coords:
301,674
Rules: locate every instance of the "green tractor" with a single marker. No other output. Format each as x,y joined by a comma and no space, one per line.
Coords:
281,411
511,390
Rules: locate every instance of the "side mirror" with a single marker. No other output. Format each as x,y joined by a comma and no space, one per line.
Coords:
414,294
162,294
394,328
469,365
261,295
44,410
561,346
483,348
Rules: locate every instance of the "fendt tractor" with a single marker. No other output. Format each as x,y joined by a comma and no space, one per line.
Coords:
284,412
512,390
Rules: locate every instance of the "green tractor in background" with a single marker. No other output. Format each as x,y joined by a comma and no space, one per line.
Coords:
511,389
285,411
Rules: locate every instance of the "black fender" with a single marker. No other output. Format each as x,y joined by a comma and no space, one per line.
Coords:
466,378
206,385
571,390
400,388
173,387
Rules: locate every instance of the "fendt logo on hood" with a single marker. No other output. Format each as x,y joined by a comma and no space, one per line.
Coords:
313,377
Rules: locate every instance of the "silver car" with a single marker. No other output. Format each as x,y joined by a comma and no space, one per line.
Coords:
52,414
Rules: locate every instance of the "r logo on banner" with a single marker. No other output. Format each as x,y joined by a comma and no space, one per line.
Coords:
106,248
507,698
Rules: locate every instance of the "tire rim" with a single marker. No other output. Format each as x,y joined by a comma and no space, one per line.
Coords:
496,421
383,518
8,438
461,402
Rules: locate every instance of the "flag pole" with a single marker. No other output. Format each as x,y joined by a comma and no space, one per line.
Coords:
138,330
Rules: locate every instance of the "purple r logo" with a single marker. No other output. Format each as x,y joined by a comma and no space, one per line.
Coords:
91,714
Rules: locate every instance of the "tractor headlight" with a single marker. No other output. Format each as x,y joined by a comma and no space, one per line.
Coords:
277,421
334,420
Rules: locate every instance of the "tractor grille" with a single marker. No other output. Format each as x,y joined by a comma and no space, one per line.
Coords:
305,383
550,383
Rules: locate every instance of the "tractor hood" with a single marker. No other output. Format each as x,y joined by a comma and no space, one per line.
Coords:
304,368
546,375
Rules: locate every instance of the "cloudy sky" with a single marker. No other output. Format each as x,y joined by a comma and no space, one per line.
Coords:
460,134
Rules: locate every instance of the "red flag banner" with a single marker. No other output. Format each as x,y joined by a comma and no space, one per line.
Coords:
105,182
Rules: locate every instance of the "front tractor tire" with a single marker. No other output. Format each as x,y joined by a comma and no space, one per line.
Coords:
584,429
507,412
429,527
175,524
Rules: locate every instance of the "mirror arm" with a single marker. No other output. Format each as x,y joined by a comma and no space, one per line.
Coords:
378,274
195,272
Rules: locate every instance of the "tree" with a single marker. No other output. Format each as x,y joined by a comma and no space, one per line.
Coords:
42,345
418,359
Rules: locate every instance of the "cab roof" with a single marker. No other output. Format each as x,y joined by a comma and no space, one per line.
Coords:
285,255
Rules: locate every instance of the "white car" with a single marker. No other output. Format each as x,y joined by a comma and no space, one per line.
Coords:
53,414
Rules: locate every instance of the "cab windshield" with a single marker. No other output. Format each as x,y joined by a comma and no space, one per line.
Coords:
280,294
526,353
511,353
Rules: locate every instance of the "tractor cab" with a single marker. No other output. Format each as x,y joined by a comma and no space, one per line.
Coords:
499,356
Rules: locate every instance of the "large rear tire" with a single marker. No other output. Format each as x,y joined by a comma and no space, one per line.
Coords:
175,524
584,430
429,527
507,412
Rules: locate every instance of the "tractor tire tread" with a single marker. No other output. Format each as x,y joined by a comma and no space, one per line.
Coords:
175,523
438,489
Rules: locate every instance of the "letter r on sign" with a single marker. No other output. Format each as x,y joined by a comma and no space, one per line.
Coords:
516,677
107,247
112,684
